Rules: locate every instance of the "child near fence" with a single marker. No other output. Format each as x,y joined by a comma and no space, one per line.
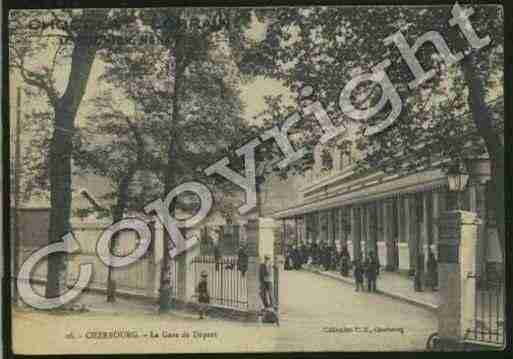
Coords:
203,296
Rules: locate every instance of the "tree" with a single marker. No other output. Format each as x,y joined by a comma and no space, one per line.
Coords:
75,45
113,145
324,47
188,86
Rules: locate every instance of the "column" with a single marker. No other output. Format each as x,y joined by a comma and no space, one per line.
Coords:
411,222
329,226
456,249
284,232
158,242
343,218
387,234
436,216
478,206
181,278
303,228
373,229
319,227
356,232
403,254
424,230
363,242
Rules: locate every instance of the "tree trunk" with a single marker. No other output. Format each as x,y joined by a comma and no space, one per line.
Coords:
483,120
117,215
173,170
66,108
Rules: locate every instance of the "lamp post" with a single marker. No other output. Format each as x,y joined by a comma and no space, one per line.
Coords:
457,177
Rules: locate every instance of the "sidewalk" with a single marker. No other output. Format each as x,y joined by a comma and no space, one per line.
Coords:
394,285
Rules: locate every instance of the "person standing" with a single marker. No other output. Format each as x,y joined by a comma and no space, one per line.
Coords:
242,260
419,271
203,295
345,260
358,275
395,252
217,254
432,270
372,272
266,282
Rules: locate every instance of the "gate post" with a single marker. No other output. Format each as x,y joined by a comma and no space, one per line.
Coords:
456,267
252,236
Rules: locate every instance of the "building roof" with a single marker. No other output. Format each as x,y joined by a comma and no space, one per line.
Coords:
370,191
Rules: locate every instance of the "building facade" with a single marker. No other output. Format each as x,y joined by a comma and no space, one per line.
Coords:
395,215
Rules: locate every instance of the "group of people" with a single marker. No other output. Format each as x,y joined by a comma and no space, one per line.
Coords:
325,255
369,268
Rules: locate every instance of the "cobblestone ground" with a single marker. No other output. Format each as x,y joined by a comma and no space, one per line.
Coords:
317,314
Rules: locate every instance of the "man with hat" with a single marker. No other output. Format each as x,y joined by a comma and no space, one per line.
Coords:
203,296
266,282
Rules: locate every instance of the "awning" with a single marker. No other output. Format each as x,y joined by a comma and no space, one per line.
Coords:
417,182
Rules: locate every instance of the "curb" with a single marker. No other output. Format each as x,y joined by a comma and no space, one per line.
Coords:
431,307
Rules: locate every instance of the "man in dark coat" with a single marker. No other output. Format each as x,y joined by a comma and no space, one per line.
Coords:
432,269
358,275
217,255
419,271
242,260
372,272
314,253
345,260
203,295
266,282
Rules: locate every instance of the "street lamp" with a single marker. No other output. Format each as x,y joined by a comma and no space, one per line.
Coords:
457,177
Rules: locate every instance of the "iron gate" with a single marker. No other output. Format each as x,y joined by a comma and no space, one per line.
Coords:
227,285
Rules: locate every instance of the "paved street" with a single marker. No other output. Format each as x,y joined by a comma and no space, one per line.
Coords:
311,302
310,305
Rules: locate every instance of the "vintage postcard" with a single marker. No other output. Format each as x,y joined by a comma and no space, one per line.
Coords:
256,179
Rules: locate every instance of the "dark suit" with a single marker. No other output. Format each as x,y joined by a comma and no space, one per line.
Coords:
265,285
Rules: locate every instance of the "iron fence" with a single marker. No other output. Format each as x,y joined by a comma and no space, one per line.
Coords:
227,285
489,311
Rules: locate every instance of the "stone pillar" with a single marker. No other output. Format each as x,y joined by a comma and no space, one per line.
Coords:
424,229
356,232
387,234
158,241
436,217
303,228
409,223
363,230
456,270
319,227
181,277
477,202
372,225
253,283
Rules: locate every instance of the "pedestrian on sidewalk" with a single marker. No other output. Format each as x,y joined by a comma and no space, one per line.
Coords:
358,274
371,272
419,271
266,282
242,260
432,269
203,296
345,260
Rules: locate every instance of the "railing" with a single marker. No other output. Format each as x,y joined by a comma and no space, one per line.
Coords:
227,285
489,311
